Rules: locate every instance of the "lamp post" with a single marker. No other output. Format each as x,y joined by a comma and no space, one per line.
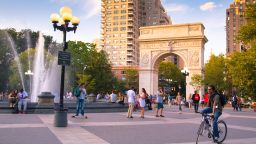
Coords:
185,72
66,13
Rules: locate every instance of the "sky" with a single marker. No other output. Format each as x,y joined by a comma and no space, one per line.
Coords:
35,15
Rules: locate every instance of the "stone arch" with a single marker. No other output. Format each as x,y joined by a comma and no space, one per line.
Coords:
156,42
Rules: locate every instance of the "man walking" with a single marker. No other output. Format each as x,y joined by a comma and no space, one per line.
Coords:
80,93
159,100
196,98
131,101
214,107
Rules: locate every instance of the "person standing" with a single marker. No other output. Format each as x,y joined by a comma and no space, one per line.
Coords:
196,99
179,100
170,97
22,96
159,101
80,101
131,101
206,99
142,101
214,107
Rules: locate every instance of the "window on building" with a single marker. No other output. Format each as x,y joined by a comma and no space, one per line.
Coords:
123,6
115,23
122,22
123,11
123,0
116,6
116,11
115,29
123,28
123,17
115,17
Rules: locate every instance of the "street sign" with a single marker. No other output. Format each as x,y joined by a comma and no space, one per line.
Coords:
63,58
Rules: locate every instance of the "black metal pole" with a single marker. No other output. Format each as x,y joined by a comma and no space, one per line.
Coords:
63,72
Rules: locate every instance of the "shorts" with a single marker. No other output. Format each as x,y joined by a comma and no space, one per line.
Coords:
160,105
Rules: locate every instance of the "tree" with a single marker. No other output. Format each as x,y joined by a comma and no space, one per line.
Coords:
247,33
196,81
132,78
215,72
85,60
242,69
169,72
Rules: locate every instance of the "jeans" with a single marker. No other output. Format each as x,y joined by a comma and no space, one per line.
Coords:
196,107
217,114
24,103
79,106
180,108
130,109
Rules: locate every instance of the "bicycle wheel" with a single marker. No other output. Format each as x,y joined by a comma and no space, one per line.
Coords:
222,128
200,131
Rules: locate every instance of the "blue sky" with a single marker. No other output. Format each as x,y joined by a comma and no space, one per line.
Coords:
34,14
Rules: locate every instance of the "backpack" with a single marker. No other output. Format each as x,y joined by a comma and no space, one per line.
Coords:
76,92
223,100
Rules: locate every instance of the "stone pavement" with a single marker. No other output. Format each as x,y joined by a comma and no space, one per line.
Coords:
115,128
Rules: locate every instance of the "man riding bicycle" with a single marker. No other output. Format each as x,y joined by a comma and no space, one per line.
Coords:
214,107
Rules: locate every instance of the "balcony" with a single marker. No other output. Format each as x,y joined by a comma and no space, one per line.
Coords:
129,36
130,19
129,42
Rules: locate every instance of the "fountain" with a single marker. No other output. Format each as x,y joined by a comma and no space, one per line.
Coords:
16,58
46,73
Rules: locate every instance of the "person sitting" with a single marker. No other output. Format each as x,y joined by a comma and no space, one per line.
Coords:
12,97
22,95
113,97
120,98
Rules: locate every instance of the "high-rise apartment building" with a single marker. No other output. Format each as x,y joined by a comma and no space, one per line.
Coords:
234,20
120,24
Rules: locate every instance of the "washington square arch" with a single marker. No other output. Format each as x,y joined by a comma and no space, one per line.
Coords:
158,42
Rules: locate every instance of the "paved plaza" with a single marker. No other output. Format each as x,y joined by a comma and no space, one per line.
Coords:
115,128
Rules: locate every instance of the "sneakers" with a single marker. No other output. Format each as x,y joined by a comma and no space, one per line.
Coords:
216,140
74,116
161,116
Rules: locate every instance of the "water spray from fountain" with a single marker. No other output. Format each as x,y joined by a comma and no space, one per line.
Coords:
16,58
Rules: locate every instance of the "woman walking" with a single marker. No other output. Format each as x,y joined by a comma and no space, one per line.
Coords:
142,102
179,99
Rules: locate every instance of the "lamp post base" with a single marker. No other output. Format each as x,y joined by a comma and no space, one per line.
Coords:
60,118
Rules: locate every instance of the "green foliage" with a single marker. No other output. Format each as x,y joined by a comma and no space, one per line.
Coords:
196,81
132,78
215,72
85,60
247,33
242,69
25,57
168,70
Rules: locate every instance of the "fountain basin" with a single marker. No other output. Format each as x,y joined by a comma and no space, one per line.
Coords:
46,99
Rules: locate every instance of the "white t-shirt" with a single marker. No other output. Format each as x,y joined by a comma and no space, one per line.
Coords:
131,96
83,93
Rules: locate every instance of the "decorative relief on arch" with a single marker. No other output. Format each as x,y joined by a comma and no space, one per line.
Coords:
194,58
145,58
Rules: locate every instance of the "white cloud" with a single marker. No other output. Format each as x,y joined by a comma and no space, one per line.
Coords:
176,8
208,6
89,7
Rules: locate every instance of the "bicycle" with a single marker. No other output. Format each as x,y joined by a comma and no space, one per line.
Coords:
205,129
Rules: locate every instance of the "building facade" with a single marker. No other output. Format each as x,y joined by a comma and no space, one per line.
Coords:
234,20
120,23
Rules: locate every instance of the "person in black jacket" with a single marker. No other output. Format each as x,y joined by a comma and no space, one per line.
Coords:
196,99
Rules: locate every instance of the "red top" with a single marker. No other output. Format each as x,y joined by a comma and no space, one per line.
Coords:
206,97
